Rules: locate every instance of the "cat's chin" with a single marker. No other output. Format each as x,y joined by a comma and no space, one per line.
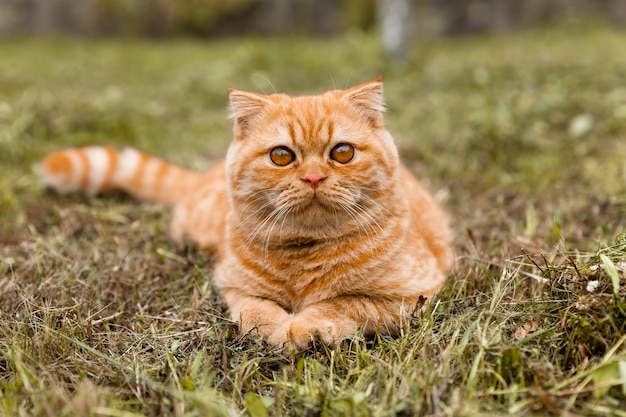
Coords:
313,204
319,215
316,207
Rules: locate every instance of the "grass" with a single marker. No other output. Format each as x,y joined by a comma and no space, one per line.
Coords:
522,137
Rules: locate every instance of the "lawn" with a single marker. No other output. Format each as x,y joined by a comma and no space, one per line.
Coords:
522,137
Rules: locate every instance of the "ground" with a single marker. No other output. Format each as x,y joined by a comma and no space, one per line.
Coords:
522,137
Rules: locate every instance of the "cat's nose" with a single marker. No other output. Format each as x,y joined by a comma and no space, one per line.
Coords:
314,180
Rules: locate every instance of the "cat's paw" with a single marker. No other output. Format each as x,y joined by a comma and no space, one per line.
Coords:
298,332
261,320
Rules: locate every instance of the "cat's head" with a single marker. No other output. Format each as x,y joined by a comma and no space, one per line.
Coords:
310,164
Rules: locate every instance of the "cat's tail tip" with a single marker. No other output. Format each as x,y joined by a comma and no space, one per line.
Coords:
59,173
78,169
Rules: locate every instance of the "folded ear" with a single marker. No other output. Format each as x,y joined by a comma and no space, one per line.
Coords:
245,106
368,99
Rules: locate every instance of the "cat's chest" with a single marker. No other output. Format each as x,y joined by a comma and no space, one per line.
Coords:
297,276
297,272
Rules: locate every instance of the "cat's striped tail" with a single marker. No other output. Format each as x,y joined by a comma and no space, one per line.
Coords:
97,169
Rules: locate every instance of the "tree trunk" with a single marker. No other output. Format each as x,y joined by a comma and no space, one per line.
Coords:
396,26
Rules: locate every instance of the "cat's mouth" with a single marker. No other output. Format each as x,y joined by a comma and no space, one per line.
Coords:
313,202
316,202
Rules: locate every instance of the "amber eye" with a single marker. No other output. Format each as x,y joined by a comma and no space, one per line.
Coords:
282,156
342,153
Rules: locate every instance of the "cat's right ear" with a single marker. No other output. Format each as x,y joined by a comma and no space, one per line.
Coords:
368,99
245,107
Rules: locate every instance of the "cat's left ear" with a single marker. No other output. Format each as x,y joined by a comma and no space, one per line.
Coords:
368,98
245,107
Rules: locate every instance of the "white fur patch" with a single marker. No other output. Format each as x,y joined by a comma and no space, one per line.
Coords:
99,164
129,163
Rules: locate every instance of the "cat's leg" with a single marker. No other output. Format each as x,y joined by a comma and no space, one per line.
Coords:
254,314
338,318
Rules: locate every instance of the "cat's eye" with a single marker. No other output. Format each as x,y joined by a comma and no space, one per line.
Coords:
282,156
342,153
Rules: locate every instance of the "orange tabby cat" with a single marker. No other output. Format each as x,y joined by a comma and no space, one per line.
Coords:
318,228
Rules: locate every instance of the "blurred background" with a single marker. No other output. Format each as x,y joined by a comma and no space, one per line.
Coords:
399,20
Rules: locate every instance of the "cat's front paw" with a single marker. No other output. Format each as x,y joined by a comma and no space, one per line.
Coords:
262,319
299,332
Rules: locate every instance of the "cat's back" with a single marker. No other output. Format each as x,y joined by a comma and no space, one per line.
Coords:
428,222
201,215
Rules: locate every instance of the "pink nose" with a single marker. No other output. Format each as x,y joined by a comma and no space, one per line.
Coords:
314,180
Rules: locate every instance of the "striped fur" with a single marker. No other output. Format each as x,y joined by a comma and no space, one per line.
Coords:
311,247
97,169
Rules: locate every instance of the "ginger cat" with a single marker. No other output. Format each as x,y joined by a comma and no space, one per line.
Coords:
318,228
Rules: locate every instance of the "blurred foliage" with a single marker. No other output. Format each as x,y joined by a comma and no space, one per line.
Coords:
210,17
167,17
202,18
359,13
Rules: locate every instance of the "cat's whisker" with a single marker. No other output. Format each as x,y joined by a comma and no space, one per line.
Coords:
367,225
282,213
367,221
374,222
356,217
280,231
348,80
330,74
277,214
261,225
256,212
264,78
382,209
369,201
356,220
254,198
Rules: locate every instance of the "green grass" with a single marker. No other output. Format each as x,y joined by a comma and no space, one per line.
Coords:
523,137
